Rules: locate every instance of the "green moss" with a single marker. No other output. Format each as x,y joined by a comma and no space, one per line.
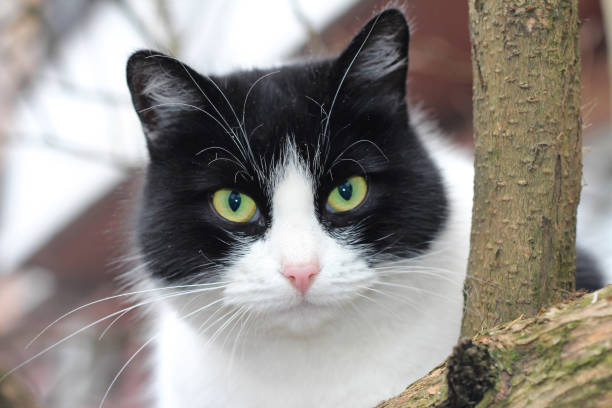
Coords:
488,398
591,357
547,350
601,294
587,395
505,359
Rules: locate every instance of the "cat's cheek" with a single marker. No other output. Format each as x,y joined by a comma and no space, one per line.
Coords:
345,268
255,280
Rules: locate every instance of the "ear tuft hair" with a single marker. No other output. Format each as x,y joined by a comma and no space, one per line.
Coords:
378,55
160,85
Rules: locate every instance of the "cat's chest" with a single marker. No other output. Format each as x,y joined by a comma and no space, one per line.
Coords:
357,366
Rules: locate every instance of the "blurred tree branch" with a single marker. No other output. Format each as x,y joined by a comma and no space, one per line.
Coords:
55,142
137,22
173,41
315,41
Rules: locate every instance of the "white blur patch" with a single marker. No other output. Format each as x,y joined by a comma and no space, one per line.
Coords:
40,195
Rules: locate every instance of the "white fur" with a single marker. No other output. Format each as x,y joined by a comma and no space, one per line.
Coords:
354,340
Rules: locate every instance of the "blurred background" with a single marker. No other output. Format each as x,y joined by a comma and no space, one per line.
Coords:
72,152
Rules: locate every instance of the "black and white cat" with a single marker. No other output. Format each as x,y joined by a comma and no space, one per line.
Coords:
315,232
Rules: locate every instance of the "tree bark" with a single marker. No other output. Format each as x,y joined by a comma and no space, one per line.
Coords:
561,358
526,66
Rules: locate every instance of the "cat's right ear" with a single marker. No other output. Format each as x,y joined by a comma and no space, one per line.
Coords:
163,91
376,60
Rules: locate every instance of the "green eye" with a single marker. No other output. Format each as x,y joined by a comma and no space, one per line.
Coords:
347,195
234,206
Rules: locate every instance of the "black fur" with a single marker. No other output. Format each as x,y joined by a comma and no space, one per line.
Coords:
588,272
351,110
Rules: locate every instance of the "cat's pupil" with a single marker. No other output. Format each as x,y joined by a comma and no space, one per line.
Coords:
234,200
346,190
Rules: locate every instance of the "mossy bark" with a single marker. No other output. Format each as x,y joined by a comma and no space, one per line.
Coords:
561,358
527,131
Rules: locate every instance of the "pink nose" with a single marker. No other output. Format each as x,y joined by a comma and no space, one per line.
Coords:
301,276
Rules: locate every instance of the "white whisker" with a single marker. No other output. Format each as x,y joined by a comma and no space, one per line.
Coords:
414,288
234,159
82,329
348,160
139,350
236,339
111,325
202,329
224,325
108,389
133,293
415,305
354,144
387,310
246,98
325,133
423,271
227,126
161,105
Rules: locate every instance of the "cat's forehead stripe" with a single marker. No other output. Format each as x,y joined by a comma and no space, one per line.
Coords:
293,193
292,189
295,233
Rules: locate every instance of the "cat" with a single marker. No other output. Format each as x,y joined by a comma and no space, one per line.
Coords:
304,235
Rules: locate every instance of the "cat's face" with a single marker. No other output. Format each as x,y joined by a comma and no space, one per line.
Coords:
288,187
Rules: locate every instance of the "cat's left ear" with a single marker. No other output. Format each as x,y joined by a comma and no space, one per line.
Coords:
377,58
166,93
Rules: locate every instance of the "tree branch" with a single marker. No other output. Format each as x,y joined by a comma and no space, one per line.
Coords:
561,358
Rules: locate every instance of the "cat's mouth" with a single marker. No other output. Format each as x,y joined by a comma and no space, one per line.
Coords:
299,313
301,317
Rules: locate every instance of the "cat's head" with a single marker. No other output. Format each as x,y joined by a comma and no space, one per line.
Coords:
286,187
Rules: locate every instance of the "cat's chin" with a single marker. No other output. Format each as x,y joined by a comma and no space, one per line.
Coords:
299,317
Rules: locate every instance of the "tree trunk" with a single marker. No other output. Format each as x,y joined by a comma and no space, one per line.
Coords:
527,125
561,358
